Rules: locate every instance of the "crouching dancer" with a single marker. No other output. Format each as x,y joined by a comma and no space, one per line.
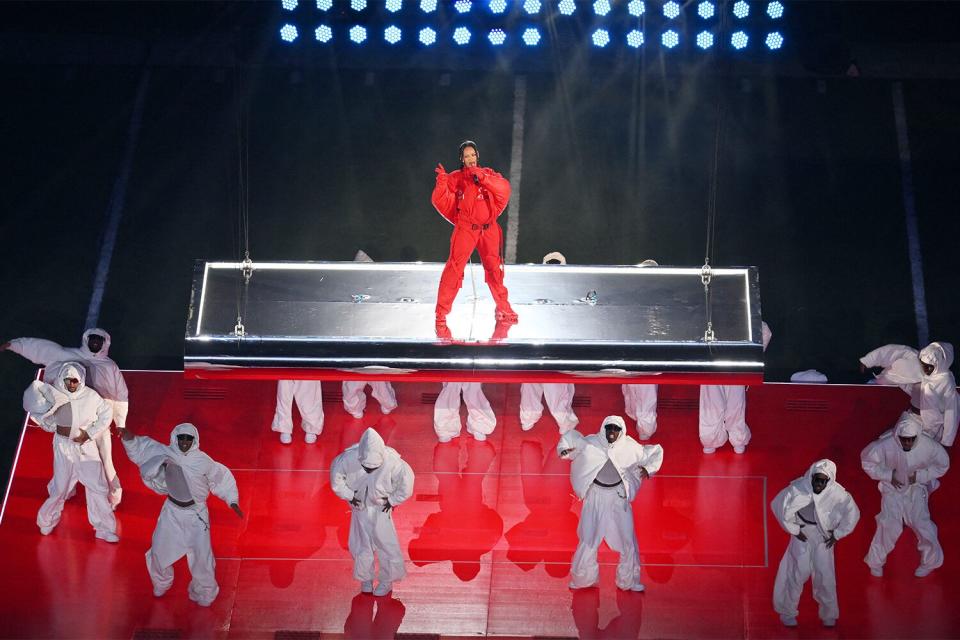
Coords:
186,476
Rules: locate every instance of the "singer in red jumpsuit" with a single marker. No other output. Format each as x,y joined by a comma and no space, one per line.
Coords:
472,198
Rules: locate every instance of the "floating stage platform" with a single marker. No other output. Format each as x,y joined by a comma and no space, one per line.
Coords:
589,324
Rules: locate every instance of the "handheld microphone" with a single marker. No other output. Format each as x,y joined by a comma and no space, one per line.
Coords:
476,180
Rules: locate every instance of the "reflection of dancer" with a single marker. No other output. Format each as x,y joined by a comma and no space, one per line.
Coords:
472,198
586,615
608,468
816,511
374,479
550,529
907,465
465,528
364,624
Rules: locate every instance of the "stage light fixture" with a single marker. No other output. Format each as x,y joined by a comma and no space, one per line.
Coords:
358,34
531,6
739,39
428,6
635,38
392,34
463,6
774,40
706,9
601,38
531,36
289,5
704,40
393,5
497,37
323,34
427,36
288,33
324,5
670,39
358,5
461,35
567,7
601,7
636,8
775,10
671,10
497,6
741,9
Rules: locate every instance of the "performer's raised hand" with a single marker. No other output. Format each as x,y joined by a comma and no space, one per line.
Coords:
440,170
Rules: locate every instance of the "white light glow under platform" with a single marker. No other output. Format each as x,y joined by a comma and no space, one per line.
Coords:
349,320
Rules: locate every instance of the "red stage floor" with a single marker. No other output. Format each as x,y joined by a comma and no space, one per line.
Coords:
489,532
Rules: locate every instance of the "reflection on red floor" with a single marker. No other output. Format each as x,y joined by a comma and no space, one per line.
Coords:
489,533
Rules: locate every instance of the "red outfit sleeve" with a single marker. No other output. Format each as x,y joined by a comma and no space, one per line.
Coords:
498,186
444,199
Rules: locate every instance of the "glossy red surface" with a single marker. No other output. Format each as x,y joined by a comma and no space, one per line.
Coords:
489,532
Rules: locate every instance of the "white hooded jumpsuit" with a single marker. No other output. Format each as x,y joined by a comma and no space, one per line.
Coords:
723,411
182,531
834,512
884,459
372,532
309,398
559,398
607,512
481,421
103,376
355,396
640,403
84,410
934,395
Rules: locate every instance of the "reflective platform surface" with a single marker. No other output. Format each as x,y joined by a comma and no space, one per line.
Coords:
594,323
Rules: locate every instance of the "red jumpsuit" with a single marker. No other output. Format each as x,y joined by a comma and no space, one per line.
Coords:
473,209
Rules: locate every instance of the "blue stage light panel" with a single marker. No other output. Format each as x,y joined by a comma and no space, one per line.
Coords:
741,9
635,38
774,40
463,6
601,7
358,5
289,5
706,9
775,10
358,34
739,40
324,5
497,6
670,39
392,34
671,9
288,33
567,7
636,8
394,5
497,37
531,36
427,36
461,35
600,38
323,34
428,6
704,40
531,6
